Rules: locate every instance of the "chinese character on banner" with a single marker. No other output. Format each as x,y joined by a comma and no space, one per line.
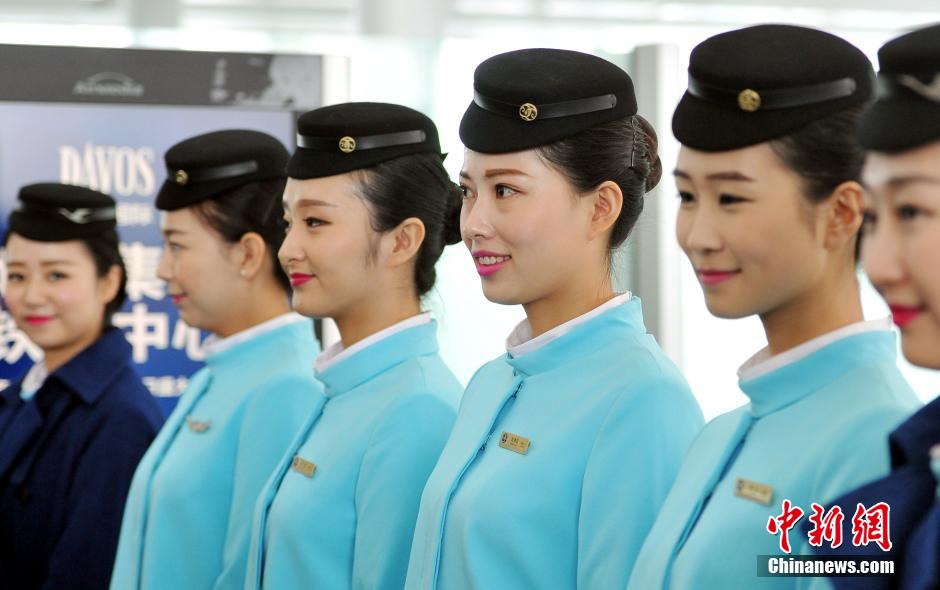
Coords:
147,329
142,262
187,338
782,524
13,343
872,526
827,526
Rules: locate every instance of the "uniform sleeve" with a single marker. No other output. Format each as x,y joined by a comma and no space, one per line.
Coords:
632,466
270,423
398,461
83,556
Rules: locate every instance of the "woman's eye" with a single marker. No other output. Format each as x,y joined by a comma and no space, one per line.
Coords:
57,276
730,200
465,191
15,277
908,212
686,197
312,222
503,191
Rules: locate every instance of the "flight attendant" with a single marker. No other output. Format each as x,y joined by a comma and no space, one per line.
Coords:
74,428
369,209
770,208
566,445
188,517
901,254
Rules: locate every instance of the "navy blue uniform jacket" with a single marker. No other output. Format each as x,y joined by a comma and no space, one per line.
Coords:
66,461
910,490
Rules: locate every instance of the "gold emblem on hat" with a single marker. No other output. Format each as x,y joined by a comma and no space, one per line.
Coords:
181,177
528,112
347,145
749,100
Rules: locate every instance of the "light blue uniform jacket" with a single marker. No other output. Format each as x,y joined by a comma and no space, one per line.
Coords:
608,418
187,522
340,510
814,428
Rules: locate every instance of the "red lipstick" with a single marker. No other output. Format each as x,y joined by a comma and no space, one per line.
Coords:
709,277
38,320
297,279
489,263
903,315
176,298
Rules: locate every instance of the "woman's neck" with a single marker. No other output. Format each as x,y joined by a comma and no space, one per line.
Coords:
828,307
253,311
565,304
362,321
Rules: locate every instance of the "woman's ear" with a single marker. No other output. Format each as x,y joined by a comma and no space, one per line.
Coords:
251,254
606,206
110,283
402,243
845,214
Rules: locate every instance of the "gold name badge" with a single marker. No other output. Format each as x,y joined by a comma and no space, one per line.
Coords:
197,426
302,466
753,491
514,443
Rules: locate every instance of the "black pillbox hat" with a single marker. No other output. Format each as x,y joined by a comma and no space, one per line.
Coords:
53,212
907,112
532,97
202,167
351,136
764,82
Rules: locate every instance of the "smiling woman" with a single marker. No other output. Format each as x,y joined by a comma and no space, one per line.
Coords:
369,209
73,430
188,517
565,446
771,205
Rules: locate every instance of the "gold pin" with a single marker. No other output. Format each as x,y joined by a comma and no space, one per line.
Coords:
514,443
197,426
347,145
749,100
181,177
302,466
528,112
753,491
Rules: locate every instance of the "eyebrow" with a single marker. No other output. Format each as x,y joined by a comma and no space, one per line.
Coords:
43,263
729,175
497,172
899,182
309,203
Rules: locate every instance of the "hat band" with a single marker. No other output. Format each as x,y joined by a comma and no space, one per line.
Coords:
781,98
890,86
552,110
183,177
78,216
348,144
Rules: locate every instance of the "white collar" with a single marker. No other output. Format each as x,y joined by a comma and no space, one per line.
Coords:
33,380
520,341
763,363
336,353
215,345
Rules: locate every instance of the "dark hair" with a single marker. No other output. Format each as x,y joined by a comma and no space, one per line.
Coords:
623,151
825,153
415,185
105,252
251,207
